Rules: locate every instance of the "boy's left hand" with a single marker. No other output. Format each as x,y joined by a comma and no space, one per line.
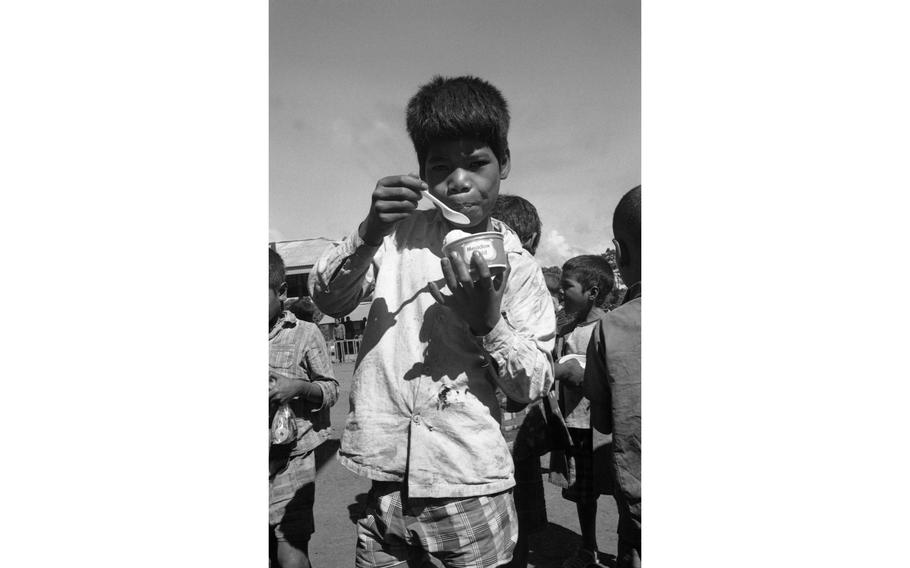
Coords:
282,389
477,302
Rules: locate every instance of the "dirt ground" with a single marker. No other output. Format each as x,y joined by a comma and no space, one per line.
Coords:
340,495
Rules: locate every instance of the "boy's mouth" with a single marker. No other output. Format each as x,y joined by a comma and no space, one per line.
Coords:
465,206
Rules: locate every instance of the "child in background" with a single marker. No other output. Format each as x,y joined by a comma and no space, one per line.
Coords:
530,503
586,281
613,384
306,310
340,336
521,216
552,275
424,419
300,374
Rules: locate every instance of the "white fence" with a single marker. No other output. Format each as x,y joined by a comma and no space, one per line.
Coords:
344,350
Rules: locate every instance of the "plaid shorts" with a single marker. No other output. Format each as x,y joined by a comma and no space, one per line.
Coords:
581,465
530,503
291,495
464,532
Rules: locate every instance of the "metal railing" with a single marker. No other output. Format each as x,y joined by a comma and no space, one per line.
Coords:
344,350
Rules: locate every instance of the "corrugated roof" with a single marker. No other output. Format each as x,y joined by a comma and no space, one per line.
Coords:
302,253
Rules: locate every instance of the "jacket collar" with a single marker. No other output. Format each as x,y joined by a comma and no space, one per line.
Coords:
286,320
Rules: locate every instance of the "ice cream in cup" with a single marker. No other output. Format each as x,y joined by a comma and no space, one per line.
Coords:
488,244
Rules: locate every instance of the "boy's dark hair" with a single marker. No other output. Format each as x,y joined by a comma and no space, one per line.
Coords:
521,215
306,309
627,216
591,270
276,270
449,108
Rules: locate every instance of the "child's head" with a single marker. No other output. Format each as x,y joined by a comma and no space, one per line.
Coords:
551,275
586,282
306,310
627,236
459,127
519,214
277,286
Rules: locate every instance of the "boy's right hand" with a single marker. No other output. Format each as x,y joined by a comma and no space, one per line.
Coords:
394,199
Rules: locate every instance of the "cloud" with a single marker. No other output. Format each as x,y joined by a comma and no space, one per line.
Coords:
555,249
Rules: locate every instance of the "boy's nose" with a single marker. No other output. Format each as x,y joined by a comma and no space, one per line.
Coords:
459,181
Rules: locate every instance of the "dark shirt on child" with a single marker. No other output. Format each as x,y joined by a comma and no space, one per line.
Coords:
613,385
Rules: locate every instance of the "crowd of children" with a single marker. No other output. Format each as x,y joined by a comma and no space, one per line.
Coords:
464,379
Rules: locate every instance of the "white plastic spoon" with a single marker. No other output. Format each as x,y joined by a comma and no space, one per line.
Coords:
447,212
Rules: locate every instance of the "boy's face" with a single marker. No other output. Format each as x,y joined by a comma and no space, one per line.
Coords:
575,298
465,175
276,301
627,259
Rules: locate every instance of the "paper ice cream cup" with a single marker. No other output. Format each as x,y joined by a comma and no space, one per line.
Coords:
488,244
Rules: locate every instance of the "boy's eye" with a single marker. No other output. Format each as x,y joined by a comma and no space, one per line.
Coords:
477,164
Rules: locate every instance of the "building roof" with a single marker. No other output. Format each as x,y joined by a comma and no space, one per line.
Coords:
300,254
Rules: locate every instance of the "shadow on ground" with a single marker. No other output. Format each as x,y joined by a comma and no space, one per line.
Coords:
552,546
355,509
326,451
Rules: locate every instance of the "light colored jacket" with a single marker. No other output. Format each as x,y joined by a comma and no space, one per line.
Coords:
423,402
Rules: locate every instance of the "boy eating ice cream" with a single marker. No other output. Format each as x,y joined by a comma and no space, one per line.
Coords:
423,423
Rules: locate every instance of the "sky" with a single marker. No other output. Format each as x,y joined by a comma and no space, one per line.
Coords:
341,73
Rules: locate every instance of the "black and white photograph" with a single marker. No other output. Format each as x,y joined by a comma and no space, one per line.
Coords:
450,192
455,284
